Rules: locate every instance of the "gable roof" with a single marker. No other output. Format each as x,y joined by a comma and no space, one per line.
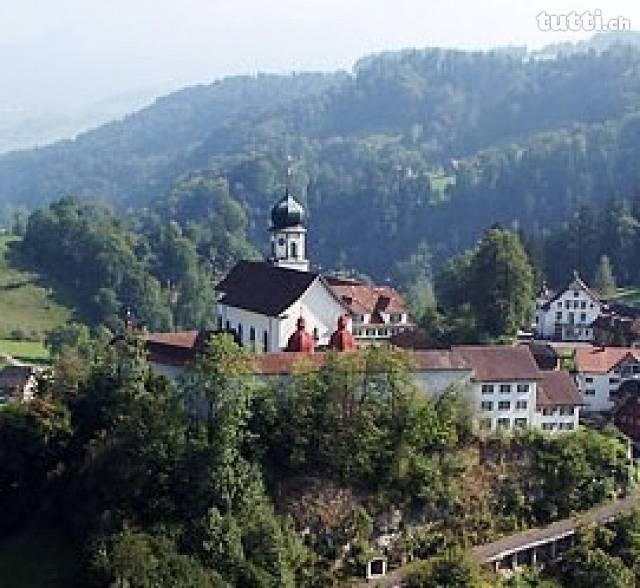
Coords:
284,363
437,360
557,388
577,283
600,360
364,298
500,363
262,288
182,339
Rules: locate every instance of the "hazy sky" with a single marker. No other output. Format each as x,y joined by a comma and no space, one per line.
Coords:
57,51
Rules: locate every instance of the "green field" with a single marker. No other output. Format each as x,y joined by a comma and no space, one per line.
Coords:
628,296
35,559
26,303
25,351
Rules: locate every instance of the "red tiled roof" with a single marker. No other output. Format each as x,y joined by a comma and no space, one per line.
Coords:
441,359
498,363
364,298
184,339
600,360
284,363
557,388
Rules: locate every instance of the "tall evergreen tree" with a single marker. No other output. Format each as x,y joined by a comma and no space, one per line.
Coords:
605,280
501,286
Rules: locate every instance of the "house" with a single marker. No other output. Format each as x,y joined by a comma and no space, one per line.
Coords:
377,312
168,353
599,371
17,383
619,324
505,387
262,301
626,408
567,315
558,402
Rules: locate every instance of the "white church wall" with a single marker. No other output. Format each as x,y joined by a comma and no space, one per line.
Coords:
320,310
233,317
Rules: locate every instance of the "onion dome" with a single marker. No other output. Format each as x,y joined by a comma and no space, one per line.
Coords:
287,212
301,341
342,339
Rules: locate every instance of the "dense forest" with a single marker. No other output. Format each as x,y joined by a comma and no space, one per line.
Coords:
424,148
233,481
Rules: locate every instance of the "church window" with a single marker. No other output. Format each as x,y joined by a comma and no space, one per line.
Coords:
252,338
265,342
219,323
316,334
228,326
239,331
294,250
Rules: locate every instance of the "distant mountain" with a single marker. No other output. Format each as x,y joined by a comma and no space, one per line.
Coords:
418,150
22,128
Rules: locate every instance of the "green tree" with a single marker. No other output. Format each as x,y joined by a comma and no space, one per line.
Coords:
604,280
501,284
454,569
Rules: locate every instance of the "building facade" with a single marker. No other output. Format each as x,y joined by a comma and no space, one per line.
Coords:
568,315
503,384
599,371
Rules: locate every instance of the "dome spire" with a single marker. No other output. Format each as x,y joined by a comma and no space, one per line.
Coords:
288,233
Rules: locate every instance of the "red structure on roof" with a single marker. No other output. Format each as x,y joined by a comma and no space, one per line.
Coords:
301,341
342,339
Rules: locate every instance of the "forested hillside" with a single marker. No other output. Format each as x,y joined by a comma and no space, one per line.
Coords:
420,151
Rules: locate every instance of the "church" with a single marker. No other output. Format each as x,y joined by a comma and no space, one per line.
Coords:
281,304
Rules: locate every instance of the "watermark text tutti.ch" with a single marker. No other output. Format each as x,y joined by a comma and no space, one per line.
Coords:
590,21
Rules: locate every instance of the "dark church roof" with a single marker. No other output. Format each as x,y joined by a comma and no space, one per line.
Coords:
262,288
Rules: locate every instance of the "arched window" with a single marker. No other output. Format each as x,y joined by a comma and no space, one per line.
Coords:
294,250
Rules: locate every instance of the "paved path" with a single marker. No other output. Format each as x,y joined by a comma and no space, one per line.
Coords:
532,537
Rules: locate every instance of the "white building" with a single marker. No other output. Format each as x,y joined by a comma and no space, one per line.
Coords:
504,385
567,315
601,370
558,403
262,301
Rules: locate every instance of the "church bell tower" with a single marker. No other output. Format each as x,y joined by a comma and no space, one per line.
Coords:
288,234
